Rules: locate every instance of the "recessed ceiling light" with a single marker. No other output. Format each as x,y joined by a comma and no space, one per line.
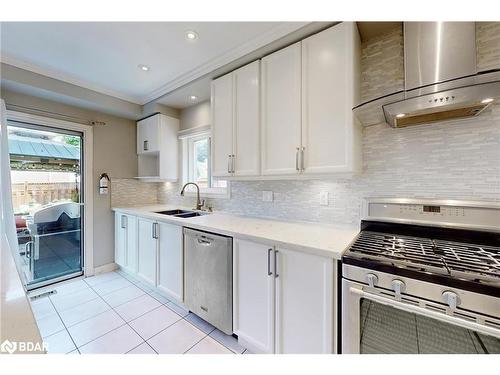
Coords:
399,115
487,100
193,97
143,67
191,35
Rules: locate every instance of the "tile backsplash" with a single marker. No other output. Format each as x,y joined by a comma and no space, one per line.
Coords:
458,159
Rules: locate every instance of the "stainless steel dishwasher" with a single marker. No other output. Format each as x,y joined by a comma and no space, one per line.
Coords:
208,277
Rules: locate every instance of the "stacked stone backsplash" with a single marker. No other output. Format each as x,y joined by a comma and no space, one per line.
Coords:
458,159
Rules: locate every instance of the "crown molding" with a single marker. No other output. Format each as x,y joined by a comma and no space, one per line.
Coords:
262,40
244,49
18,63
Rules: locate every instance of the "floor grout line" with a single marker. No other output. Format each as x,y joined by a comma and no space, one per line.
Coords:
64,324
148,292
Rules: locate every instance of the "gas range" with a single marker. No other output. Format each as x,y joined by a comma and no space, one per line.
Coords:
423,277
460,258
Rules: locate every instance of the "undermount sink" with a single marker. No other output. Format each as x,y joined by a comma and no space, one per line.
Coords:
180,213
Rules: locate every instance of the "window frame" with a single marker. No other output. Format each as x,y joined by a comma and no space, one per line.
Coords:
188,141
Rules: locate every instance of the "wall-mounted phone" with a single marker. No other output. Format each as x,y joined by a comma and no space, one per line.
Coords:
104,183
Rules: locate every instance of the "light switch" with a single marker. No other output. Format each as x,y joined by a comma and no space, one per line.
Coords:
267,196
323,198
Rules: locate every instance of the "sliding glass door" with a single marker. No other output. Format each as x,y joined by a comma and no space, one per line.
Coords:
47,195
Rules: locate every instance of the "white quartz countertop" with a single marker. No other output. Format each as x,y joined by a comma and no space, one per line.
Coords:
320,239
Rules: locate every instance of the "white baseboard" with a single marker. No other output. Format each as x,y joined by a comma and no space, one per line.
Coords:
105,268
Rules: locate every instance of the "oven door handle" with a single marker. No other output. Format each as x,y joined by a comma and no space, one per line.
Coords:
428,313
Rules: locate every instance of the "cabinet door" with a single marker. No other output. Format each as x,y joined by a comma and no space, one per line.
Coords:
148,134
222,125
170,261
253,296
169,148
329,78
246,128
120,239
304,303
131,240
146,251
281,110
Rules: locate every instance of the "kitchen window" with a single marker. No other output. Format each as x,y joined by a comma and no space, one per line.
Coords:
197,166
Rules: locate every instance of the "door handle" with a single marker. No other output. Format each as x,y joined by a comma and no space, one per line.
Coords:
269,273
276,263
123,223
229,164
302,158
232,163
146,146
297,159
155,231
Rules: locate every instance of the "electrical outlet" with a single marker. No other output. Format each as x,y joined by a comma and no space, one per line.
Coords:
267,196
323,198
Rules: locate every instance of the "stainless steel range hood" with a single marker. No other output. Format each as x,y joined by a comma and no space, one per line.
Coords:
441,79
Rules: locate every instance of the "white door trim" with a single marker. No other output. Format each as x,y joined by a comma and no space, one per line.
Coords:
88,147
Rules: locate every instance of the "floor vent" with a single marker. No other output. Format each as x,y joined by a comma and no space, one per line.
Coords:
42,295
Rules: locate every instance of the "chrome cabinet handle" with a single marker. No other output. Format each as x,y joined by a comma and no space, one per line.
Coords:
302,158
229,164
269,273
232,163
297,159
276,263
123,221
155,231
146,146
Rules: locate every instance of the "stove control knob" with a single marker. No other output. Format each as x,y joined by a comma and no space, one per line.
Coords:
451,299
398,286
371,279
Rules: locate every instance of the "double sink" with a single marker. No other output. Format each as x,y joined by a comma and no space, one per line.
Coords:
181,213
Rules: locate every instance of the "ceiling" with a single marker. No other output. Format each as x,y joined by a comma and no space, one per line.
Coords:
104,57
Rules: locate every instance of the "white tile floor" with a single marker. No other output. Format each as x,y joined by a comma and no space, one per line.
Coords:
113,313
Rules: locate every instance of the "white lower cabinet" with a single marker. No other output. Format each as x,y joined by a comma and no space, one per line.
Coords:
253,296
126,241
170,261
304,303
152,251
283,299
147,250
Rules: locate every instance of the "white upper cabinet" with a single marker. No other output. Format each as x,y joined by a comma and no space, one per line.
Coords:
281,111
330,89
157,148
222,125
148,131
246,133
235,123
307,92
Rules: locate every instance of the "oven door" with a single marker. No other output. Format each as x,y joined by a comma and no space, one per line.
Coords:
374,321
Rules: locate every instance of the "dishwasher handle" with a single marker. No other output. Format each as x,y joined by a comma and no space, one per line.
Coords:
204,241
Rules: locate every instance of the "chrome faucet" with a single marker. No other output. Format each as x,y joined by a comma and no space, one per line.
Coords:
199,203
